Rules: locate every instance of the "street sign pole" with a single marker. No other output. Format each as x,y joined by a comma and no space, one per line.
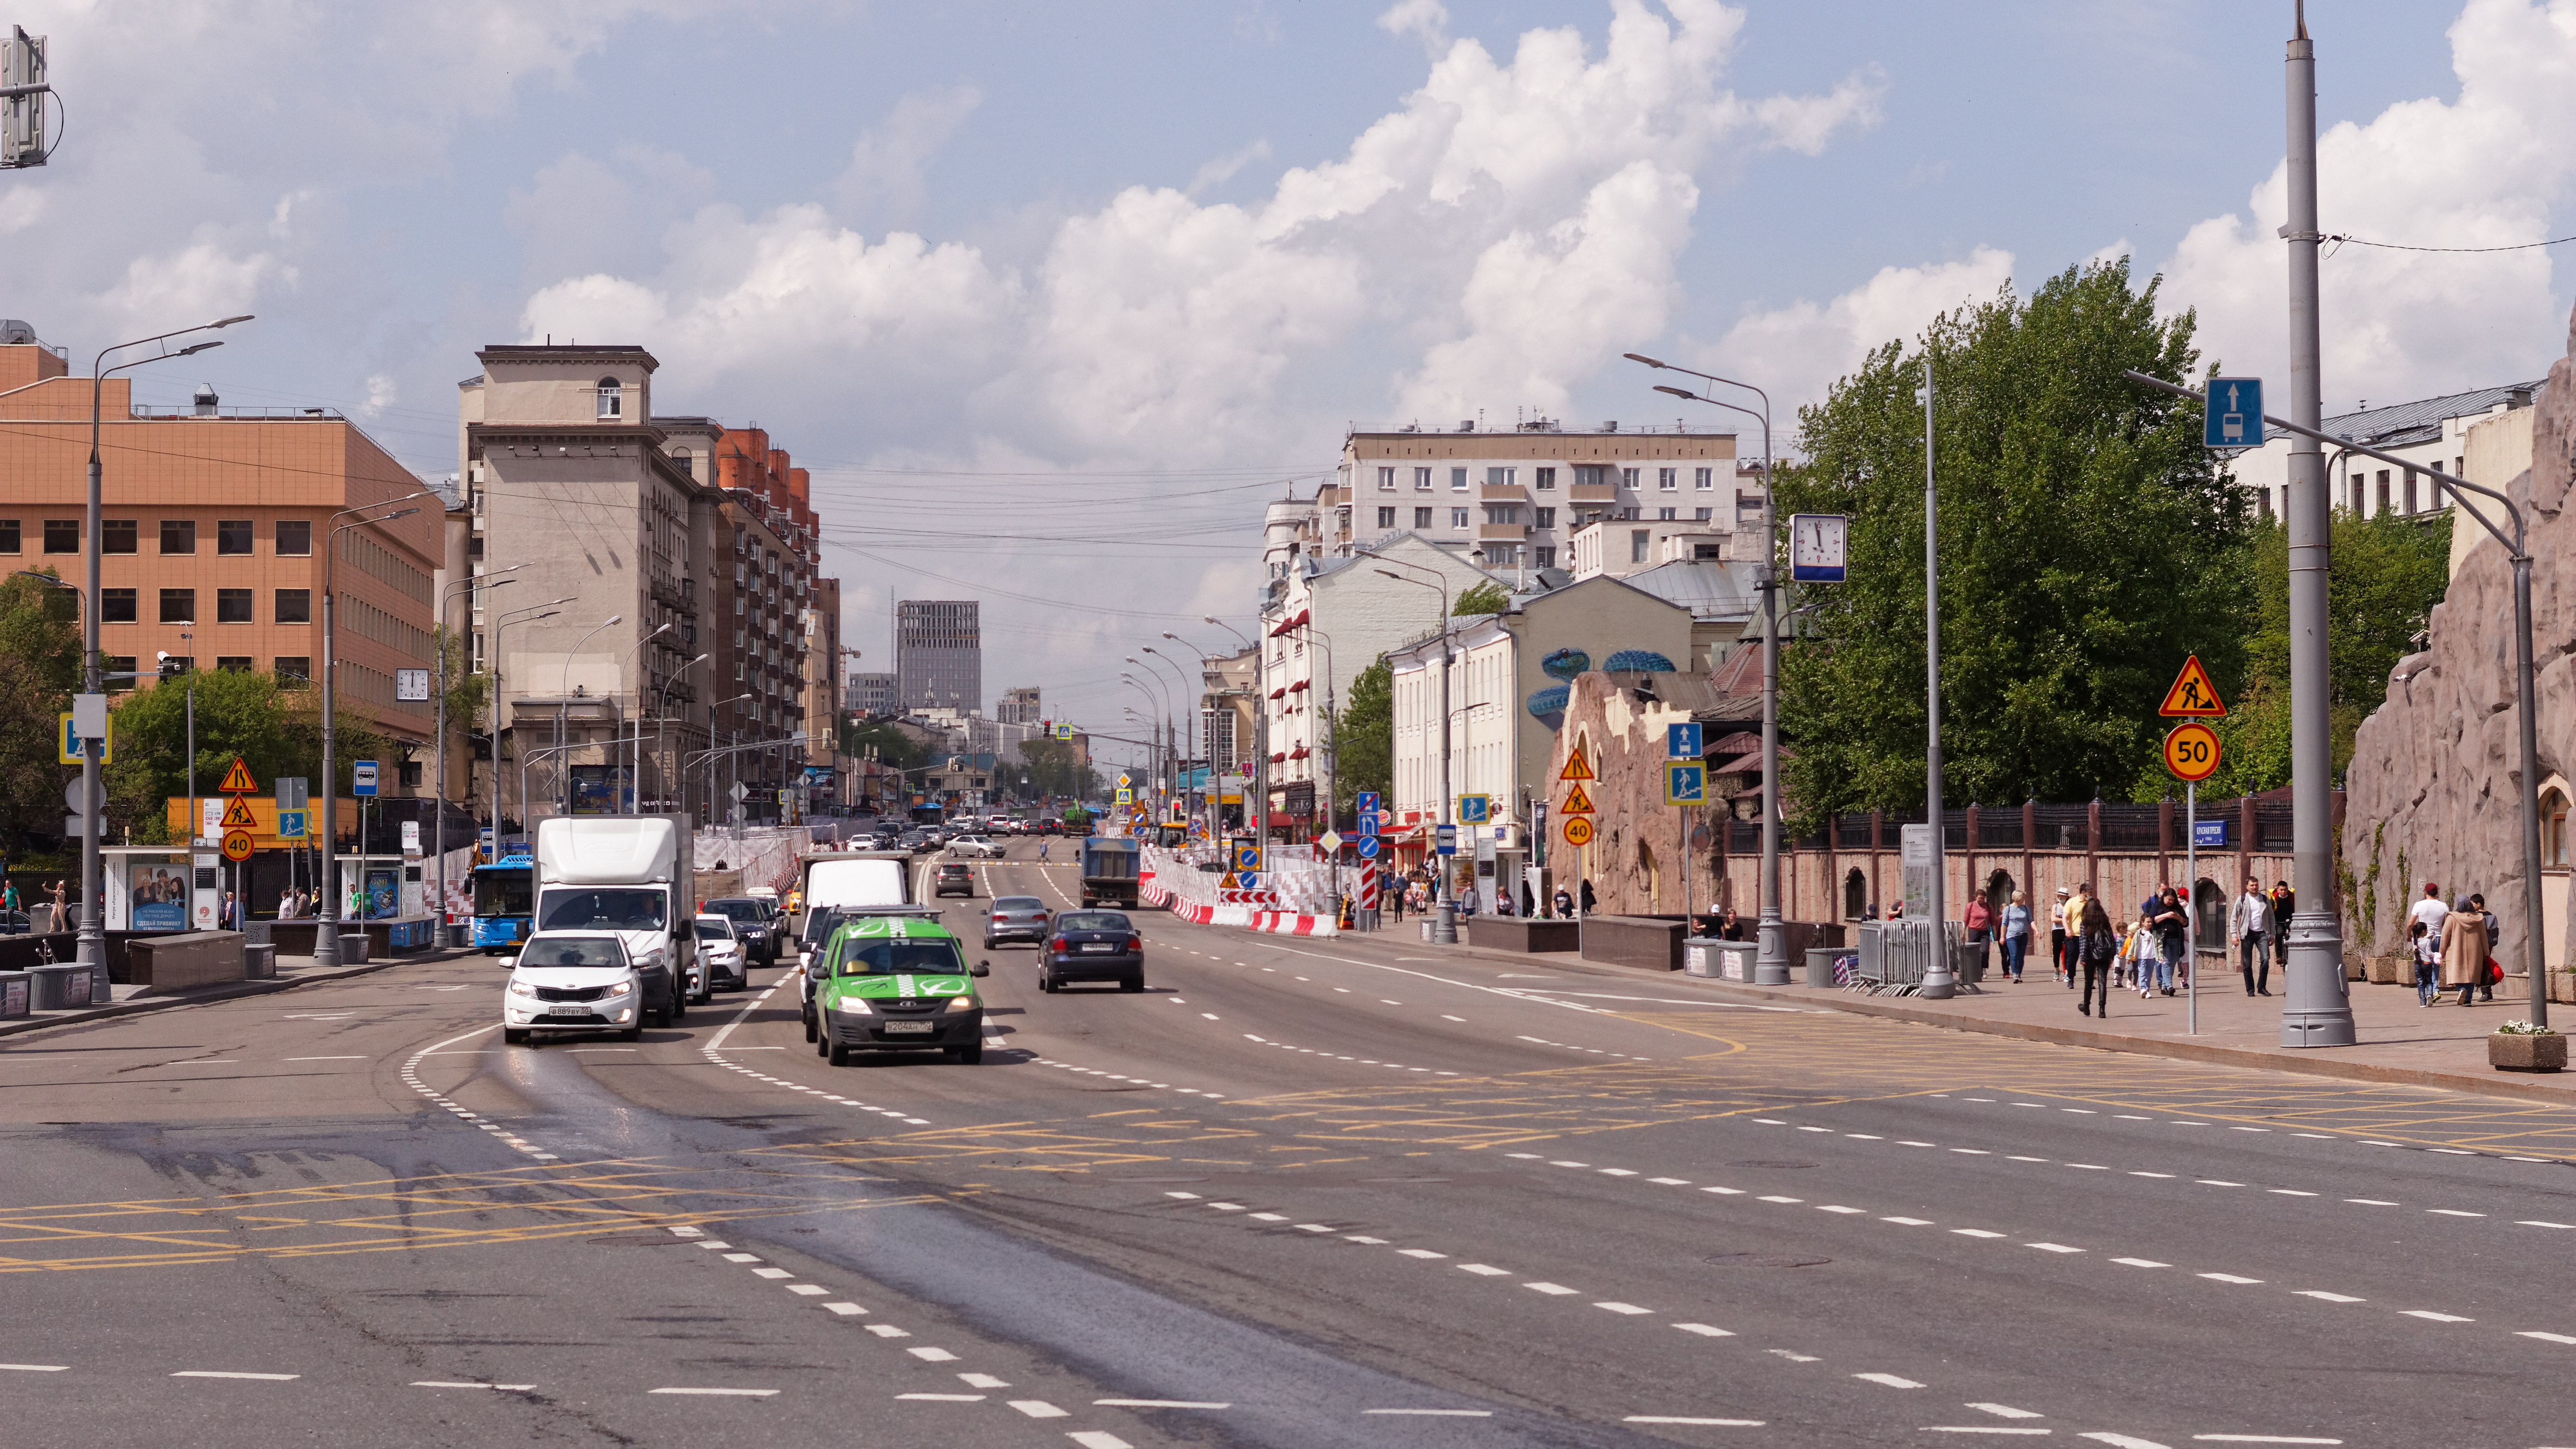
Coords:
2191,885
1938,984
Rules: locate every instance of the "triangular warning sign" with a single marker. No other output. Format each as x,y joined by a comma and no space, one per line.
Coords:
237,815
1576,803
1229,883
1576,767
237,780
2192,693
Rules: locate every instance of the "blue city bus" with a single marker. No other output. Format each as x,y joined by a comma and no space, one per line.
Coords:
504,903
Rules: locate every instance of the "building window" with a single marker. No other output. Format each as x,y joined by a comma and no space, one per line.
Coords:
1546,555
1628,477
294,538
1704,478
116,535
1503,477
232,535
1666,514
178,535
1640,543
2553,828
1546,480
178,606
115,664
1422,479
1546,517
1386,480
686,461
233,663
1703,514
1422,518
1386,518
10,541
116,606
612,399
62,535
1457,480
2383,494
295,606
1457,518
295,668
2410,490
232,606
1587,477
1668,479
2263,501
1628,514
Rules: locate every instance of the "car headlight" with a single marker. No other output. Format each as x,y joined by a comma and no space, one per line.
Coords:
961,1003
622,988
855,1006
654,957
521,988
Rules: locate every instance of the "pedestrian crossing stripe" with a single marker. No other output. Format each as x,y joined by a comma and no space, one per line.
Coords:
1576,803
237,815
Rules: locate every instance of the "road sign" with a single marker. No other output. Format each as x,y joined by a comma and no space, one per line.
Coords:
1368,847
1576,803
236,845
362,777
1331,840
2191,751
1366,800
1126,797
1247,857
1472,809
72,794
1446,838
237,815
1819,547
1368,817
2192,693
1064,732
237,780
2209,833
1578,830
741,792
70,743
411,686
1685,782
2232,415
1124,782
1248,880
1681,741
290,825
1576,766
293,792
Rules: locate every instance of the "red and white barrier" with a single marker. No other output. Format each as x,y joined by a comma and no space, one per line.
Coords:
1283,923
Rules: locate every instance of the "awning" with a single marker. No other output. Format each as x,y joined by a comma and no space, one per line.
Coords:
1298,753
1280,693
1300,684
1280,758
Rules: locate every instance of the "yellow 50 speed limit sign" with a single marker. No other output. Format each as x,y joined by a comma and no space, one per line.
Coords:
2191,751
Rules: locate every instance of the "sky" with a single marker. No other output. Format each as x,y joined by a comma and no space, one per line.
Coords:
1052,299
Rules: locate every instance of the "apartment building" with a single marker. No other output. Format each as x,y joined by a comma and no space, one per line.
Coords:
2433,432
939,653
218,523
872,695
767,549
1518,495
1020,705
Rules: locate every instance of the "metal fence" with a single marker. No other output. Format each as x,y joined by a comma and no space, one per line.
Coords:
1895,955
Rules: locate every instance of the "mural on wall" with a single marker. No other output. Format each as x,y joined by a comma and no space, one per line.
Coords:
1547,705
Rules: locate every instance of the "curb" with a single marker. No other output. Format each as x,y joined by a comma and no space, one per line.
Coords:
220,993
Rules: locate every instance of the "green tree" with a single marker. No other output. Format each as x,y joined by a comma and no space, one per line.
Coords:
892,746
2088,544
1052,770
1364,736
39,668
1483,597
2385,574
274,727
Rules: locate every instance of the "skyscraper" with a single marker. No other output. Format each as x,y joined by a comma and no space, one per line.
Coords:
939,653
1019,705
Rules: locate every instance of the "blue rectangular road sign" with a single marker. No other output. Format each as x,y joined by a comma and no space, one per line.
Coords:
290,825
1681,741
1685,783
2209,832
1367,819
2233,414
362,777
1447,836
1366,802
1472,809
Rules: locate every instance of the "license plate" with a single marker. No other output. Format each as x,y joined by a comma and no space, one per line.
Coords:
1102,946
571,1011
908,1028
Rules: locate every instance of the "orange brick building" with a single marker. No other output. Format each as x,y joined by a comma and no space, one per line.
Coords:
216,521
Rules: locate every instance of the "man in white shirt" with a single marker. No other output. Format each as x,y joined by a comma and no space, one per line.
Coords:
2249,925
2431,912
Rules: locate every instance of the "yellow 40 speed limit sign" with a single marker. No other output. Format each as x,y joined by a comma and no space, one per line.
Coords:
1578,830
2191,751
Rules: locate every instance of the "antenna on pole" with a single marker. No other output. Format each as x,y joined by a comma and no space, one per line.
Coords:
22,101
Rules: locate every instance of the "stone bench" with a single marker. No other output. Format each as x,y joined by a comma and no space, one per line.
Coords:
1528,935
1648,943
185,961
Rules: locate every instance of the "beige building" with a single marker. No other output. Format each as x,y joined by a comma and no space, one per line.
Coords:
2433,432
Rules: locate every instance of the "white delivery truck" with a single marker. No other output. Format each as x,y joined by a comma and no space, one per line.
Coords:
630,875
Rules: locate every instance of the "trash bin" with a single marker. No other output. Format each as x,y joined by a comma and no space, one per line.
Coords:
353,949
259,963
1820,965
456,933
1719,959
60,988
17,993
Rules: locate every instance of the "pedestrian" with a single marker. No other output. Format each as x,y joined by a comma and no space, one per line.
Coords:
2016,935
1588,900
8,896
1563,904
2249,925
228,915
2284,903
2173,934
2427,913
2097,944
2057,934
2465,948
1502,900
1467,900
2136,961
61,903
1977,929
2494,972
2426,948
2075,907
1529,900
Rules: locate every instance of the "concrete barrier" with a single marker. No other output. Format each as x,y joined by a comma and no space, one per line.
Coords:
185,961
17,993
1529,935
1648,943
353,948
259,962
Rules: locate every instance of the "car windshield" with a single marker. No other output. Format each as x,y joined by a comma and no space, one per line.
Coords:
1019,903
574,951
713,930
738,910
594,909
504,892
1092,921
881,957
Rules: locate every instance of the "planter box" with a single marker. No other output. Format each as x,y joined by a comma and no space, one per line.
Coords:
1525,934
2386,971
1650,943
2562,986
2527,1053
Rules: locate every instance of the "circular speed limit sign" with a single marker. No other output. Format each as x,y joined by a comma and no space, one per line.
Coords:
2191,751
1578,830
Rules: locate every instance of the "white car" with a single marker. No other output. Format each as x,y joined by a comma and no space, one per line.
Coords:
720,951
977,847
577,981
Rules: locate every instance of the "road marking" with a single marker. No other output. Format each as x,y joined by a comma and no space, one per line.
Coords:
2052,1247
2151,1174
742,1257
1372,1242
1909,1222
771,1273
1676,1419
2324,1297
217,1374
1622,1308
2228,1278
1725,1191
2007,1411
1976,1429
1704,1330
2429,1315
35,1368
2259,1439
1891,1380
982,1381
1670,1181
807,1290
1553,1290
2120,1441
1831,1208
1794,1356
846,1310
2370,1201
2525,1333
2532,1223
2216,1182
945,1398
1420,1253
2453,1213
1095,1439
326,1059
1160,1404
888,1330
1037,1408
456,1384
1437,1413
1975,1233
719,1393
2142,1262
1483,1271
1783,1199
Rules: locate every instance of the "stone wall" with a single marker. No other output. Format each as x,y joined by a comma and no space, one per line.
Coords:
2436,774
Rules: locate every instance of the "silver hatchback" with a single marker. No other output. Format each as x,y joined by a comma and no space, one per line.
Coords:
1015,918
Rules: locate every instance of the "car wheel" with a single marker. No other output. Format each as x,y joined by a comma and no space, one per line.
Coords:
838,1056
632,1033
822,1041
1132,983
1046,983
967,1055
809,1026
988,943
513,1037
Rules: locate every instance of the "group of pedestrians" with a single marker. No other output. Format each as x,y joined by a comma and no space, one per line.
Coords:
2453,946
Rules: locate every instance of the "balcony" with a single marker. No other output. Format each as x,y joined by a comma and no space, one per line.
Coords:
671,595
1502,493
1592,492
1502,532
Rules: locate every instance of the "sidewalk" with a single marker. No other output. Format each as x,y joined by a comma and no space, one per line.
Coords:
2434,1046
292,971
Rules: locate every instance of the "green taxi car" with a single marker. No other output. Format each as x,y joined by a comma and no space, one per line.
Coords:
897,984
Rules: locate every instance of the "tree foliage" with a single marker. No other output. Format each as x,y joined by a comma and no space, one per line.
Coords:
1483,597
274,728
39,668
2088,543
891,746
1053,770
1364,736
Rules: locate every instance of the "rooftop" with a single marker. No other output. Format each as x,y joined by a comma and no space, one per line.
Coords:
1551,426
2421,421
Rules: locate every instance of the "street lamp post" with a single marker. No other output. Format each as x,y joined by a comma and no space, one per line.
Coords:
1188,731
1771,954
439,829
712,754
617,739
500,623
563,714
1444,920
90,945
662,736
326,932
1258,809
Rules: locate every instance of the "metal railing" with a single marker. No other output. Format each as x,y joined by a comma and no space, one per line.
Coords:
1896,955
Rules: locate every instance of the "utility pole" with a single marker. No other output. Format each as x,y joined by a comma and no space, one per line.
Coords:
1938,984
2318,1012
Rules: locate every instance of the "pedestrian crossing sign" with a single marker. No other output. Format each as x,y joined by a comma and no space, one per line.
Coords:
1685,783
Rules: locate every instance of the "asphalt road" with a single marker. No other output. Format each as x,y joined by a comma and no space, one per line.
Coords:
1300,1193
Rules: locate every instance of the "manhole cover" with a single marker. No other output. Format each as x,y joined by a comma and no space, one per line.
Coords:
1763,1260
1771,1164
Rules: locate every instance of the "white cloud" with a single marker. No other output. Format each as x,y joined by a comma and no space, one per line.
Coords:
1798,351
885,180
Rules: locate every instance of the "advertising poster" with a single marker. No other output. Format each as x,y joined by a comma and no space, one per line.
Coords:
384,892
601,790
156,898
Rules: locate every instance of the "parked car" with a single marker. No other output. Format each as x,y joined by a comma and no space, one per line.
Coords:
723,951
1093,946
755,925
953,878
977,847
1016,918
897,983
14,923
